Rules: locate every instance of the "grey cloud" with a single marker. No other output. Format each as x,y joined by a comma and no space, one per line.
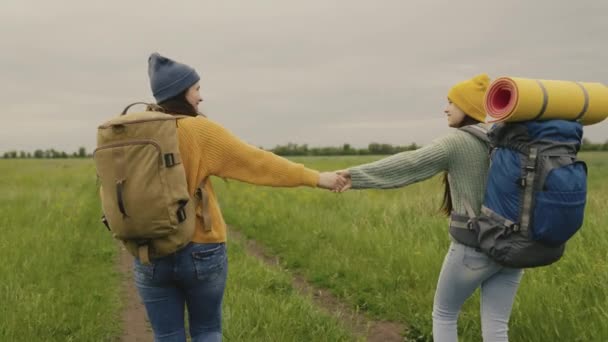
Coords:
316,72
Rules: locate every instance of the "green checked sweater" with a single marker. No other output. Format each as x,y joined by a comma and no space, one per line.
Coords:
462,155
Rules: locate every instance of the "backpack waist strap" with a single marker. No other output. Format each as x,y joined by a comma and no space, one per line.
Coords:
462,231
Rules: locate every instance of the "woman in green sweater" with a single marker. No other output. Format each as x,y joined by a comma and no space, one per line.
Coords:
464,160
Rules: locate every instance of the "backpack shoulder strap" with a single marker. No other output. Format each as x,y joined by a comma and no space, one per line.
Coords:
478,131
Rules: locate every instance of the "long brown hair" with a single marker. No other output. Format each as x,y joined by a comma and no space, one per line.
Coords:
446,205
178,105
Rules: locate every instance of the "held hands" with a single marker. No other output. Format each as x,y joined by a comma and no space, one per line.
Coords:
348,184
331,181
338,181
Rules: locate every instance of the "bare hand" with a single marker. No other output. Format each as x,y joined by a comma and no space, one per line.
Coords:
348,181
331,181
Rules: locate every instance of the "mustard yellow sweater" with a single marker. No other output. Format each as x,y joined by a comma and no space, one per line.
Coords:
208,149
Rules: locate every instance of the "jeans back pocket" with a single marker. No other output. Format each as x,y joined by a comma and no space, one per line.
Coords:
143,273
209,260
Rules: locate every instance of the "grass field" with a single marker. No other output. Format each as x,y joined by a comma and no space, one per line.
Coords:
59,280
380,251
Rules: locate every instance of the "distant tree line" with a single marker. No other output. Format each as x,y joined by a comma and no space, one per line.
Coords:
292,149
589,146
48,153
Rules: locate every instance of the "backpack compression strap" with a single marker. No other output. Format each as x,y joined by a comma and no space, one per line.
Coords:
143,251
121,177
528,188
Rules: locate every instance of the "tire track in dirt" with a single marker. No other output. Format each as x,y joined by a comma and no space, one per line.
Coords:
137,329
134,320
357,322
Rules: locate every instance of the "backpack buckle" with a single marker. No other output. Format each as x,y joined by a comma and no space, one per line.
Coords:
181,214
470,225
169,159
522,182
512,228
473,224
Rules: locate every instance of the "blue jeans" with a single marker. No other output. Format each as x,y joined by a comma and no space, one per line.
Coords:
464,270
194,276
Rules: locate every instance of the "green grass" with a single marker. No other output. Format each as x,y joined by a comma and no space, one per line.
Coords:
59,280
381,251
261,305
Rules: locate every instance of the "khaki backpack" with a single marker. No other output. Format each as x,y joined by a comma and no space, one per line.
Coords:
144,193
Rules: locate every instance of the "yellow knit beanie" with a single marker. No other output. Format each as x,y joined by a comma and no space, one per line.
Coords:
468,96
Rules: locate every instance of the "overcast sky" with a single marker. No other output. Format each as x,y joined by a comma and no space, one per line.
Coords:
320,72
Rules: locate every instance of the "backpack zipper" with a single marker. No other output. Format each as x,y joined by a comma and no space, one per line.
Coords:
173,117
132,142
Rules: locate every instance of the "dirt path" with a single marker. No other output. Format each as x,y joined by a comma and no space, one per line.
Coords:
357,322
136,326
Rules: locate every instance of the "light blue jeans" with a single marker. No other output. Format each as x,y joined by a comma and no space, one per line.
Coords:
464,270
194,276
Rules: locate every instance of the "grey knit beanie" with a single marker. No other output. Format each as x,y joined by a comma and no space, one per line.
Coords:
168,78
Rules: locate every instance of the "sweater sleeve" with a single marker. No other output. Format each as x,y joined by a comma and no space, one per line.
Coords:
227,156
401,169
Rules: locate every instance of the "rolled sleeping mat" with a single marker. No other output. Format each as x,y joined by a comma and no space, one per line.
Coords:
511,99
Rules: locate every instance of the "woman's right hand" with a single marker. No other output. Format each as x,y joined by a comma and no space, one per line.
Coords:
348,181
331,181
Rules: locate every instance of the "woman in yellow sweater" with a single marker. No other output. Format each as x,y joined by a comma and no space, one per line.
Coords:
195,276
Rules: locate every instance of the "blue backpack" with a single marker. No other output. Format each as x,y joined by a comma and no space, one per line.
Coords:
535,193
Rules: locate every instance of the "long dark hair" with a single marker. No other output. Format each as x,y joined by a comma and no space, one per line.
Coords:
178,105
446,205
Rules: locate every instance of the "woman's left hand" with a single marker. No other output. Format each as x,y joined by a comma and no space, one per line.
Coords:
331,181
